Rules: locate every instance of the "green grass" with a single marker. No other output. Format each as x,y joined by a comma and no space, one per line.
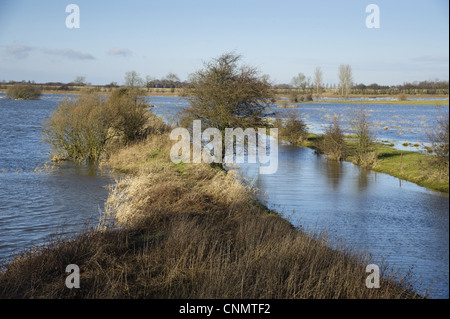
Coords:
393,102
411,166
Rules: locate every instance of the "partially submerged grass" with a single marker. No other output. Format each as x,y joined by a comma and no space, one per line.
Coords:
412,166
193,231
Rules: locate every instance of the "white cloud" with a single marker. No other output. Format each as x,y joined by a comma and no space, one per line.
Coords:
19,51
71,54
120,52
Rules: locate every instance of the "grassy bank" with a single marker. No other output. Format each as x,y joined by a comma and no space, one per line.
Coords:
410,166
192,231
413,167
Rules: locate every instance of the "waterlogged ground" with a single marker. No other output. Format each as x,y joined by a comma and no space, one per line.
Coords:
400,222
397,124
406,224
38,199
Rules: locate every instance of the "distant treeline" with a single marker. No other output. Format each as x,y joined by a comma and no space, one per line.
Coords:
72,86
415,88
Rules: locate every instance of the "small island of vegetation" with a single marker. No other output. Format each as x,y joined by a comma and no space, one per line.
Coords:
24,91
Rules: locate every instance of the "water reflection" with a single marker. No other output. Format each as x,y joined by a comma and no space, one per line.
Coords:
334,172
38,198
408,225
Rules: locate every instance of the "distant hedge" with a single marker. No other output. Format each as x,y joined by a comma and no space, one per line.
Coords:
24,92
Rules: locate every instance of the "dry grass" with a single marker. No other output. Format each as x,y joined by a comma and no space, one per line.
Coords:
192,231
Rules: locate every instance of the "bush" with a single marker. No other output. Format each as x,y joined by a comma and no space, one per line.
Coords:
402,97
333,142
293,96
292,128
129,114
80,129
365,140
439,139
24,92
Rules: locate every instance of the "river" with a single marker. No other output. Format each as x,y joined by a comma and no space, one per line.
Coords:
38,199
399,222
403,223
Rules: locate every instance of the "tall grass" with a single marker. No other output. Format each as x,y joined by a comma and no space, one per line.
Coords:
193,231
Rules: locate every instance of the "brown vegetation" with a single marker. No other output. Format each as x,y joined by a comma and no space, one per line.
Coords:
23,91
192,231
80,129
291,127
333,143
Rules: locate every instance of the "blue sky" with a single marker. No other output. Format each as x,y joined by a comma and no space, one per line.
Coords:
281,38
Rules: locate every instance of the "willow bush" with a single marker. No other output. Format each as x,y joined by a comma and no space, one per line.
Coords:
128,114
23,91
291,127
439,140
333,143
80,129
361,127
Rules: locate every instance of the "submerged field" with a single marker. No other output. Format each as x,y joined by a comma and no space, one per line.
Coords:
192,231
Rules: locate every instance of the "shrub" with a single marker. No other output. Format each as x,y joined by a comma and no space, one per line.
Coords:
80,129
24,92
293,96
129,114
333,142
227,94
292,128
439,139
365,140
402,97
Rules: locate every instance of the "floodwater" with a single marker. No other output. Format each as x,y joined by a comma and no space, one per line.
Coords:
398,222
403,223
38,199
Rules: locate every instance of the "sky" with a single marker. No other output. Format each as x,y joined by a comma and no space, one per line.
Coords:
281,38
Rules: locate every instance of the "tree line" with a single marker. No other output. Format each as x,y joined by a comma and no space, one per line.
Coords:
300,84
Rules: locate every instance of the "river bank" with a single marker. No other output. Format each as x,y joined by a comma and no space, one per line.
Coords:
192,231
364,101
410,166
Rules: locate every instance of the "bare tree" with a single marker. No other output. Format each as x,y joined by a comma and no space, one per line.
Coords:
226,94
172,78
132,79
148,82
299,82
345,78
80,80
318,78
